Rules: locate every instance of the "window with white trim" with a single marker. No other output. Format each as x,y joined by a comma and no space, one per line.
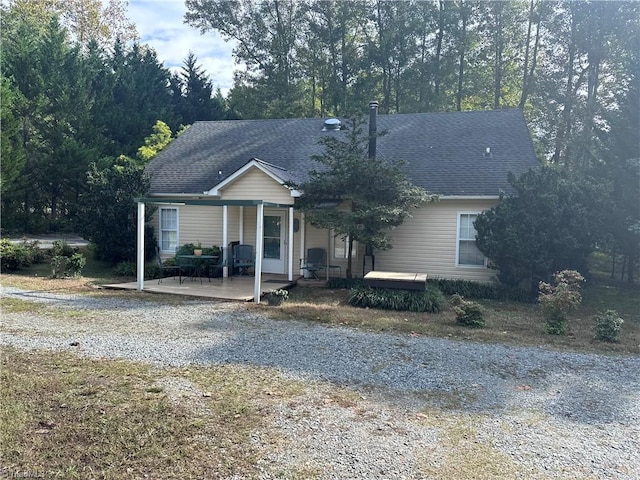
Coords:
468,253
341,247
168,229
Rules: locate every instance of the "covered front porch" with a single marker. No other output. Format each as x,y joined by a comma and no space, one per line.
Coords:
229,288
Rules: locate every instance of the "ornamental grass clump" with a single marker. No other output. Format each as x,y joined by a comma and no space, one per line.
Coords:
607,326
559,299
468,313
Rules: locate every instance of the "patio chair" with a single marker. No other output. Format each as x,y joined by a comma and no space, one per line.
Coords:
315,261
216,269
171,269
243,259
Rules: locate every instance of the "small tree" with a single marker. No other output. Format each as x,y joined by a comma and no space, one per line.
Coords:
377,194
108,214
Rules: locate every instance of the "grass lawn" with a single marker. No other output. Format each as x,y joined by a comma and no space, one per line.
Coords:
66,417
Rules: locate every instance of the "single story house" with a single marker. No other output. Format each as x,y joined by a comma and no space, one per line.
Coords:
227,181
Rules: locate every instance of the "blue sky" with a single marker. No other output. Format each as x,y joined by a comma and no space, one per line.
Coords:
160,24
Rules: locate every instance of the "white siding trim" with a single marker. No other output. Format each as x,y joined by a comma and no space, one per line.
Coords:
458,264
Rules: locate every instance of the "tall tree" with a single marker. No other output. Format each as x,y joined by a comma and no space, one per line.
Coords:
193,94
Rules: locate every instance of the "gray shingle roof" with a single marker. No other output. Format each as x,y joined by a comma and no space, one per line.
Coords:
444,152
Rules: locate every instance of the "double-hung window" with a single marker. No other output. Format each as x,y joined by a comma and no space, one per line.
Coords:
168,229
468,254
341,248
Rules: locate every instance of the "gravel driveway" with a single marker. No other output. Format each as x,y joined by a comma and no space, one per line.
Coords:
541,413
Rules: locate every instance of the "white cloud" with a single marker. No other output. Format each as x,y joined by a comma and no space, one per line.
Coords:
160,24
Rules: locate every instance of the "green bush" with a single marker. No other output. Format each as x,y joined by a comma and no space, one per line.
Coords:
468,313
345,283
557,300
607,326
130,269
61,248
75,264
486,291
430,300
14,256
58,266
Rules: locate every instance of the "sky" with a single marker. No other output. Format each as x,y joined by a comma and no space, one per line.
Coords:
160,24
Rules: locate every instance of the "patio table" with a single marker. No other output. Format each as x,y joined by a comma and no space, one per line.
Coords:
197,263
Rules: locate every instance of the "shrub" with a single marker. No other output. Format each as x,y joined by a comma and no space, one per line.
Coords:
58,264
130,269
559,299
430,300
607,326
345,283
61,248
468,313
487,291
13,256
75,264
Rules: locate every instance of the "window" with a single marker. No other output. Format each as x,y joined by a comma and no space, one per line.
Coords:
168,229
341,247
468,253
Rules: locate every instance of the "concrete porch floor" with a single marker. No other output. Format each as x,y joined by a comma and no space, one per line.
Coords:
231,288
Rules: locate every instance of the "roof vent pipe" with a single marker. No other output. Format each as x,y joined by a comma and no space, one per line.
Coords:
373,128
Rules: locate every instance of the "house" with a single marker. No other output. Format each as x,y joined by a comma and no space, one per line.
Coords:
226,181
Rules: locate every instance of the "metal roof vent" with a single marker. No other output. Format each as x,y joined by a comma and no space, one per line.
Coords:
331,124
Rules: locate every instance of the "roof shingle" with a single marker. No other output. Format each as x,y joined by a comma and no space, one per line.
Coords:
444,153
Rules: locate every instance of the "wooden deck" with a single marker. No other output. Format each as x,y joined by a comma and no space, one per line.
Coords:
232,288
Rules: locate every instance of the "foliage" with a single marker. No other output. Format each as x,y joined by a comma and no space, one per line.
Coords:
61,248
280,292
66,261
375,193
75,264
130,269
109,213
548,225
559,299
156,142
188,248
431,300
13,256
607,326
467,313
345,283
487,291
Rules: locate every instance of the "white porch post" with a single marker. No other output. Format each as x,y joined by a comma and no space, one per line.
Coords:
258,267
302,240
225,241
241,226
140,247
290,249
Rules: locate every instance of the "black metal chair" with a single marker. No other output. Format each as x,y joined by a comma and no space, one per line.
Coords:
243,258
172,269
315,261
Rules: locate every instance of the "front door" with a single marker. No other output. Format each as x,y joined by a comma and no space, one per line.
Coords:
274,243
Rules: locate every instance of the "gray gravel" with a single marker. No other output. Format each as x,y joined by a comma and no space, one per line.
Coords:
545,413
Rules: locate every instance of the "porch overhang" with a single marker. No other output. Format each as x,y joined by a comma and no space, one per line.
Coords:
259,204
210,202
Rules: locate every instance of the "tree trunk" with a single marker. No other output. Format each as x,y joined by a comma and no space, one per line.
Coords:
463,46
525,68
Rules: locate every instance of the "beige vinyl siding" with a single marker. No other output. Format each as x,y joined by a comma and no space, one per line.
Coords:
200,223
426,243
256,185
